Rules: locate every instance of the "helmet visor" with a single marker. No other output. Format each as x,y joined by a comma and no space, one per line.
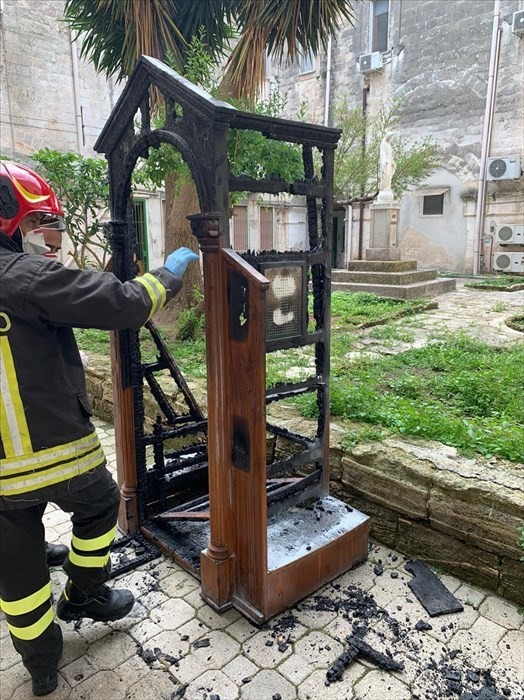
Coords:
51,221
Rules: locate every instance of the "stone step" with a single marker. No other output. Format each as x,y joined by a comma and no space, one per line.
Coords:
409,277
382,265
417,290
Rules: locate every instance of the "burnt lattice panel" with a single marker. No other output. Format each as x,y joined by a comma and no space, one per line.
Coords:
286,312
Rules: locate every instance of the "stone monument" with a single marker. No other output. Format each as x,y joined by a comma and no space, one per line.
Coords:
384,211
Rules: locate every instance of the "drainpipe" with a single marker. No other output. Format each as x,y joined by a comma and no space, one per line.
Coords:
486,133
328,82
76,96
362,199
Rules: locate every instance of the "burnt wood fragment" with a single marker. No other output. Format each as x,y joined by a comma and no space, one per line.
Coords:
334,673
430,590
373,655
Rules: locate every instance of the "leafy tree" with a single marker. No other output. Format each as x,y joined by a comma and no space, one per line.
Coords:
357,171
82,186
249,153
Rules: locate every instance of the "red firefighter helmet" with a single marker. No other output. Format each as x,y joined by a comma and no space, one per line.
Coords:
23,192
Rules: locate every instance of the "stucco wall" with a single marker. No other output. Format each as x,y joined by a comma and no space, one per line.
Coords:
37,107
438,60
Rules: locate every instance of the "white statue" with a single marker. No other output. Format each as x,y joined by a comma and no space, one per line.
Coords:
387,166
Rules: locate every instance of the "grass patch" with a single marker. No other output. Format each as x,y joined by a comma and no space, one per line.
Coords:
461,392
456,390
363,309
505,283
91,340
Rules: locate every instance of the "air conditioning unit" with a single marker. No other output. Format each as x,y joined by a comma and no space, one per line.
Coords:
369,62
503,168
509,262
511,234
518,23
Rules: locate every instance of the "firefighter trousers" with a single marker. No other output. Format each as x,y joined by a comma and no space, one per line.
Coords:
25,586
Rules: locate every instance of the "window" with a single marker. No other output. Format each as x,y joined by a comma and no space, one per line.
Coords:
139,222
306,64
240,237
433,205
379,25
266,228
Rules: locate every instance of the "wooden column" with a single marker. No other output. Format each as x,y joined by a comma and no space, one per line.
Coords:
124,443
215,561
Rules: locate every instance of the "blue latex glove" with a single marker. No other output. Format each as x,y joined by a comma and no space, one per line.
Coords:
178,261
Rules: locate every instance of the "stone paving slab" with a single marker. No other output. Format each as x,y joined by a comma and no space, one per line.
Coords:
483,647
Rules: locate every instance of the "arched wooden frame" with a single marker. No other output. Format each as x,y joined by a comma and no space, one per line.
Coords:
234,567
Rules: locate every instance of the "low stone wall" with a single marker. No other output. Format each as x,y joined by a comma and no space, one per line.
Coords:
458,515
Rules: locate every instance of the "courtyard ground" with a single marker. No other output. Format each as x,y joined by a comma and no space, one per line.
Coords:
173,645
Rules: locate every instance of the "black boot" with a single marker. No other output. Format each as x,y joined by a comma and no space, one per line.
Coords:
56,554
45,685
104,605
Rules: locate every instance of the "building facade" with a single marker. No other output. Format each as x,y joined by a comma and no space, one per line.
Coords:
457,64
459,67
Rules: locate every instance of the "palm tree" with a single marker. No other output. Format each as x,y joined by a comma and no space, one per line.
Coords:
113,34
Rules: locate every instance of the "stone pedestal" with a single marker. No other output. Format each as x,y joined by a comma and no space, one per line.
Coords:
384,229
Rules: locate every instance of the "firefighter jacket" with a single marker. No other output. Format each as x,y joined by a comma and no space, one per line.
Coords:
47,438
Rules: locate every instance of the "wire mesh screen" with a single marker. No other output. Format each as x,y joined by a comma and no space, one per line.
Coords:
285,302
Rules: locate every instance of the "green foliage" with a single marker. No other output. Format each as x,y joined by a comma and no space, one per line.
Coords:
366,434
357,173
461,392
250,153
190,322
521,541
350,310
92,340
456,390
82,187
113,34
166,160
189,325
497,282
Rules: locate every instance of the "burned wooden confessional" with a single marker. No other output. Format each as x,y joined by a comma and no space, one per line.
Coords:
244,503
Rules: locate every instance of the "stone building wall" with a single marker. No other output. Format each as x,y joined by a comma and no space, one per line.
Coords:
438,60
37,106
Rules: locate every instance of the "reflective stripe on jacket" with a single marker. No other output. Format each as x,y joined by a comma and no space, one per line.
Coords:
46,435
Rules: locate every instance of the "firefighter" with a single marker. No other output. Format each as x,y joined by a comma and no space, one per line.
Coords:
49,450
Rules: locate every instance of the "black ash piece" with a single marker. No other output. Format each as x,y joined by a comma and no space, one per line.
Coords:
131,551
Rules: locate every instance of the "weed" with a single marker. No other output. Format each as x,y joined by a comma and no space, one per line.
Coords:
189,324
460,392
357,435
499,307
